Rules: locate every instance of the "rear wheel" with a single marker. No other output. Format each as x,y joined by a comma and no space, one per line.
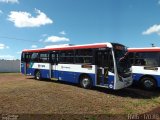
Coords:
85,82
148,83
38,75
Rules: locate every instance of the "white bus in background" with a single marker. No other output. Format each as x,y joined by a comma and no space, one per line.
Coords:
145,66
88,65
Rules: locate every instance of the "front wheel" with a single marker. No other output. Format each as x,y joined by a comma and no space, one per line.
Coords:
38,75
148,83
85,82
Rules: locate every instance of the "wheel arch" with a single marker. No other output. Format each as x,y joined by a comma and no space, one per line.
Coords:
149,76
35,71
83,75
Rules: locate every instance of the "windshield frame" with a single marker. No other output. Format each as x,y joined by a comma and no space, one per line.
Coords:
122,62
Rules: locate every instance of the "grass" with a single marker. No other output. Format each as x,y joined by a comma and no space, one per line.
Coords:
21,94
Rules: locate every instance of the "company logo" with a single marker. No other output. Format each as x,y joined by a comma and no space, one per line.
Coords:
65,67
41,66
110,86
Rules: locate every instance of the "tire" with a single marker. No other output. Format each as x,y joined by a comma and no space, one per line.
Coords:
85,82
148,83
38,75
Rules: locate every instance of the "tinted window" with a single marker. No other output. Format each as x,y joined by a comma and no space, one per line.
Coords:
147,59
131,57
66,56
104,59
26,57
54,58
84,56
23,57
43,57
34,57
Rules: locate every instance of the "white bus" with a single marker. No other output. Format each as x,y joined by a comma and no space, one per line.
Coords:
145,66
88,65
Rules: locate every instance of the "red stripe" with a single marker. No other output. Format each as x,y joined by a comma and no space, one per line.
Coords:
67,48
144,50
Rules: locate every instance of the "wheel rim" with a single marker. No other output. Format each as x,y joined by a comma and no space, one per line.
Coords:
148,84
85,82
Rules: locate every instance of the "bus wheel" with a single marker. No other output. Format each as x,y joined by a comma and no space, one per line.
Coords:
85,82
38,75
148,83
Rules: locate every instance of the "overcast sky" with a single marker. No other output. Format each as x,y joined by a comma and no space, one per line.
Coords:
30,24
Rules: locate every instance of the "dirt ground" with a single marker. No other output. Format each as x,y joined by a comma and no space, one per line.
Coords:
24,96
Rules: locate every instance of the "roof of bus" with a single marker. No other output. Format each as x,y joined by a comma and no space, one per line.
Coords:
86,46
149,49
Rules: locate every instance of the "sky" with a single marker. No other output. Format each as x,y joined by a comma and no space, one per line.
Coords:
33,24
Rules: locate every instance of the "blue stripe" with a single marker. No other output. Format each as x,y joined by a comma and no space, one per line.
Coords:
137,77
72,77
44,73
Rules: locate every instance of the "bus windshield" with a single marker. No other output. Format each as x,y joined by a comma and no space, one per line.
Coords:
122,63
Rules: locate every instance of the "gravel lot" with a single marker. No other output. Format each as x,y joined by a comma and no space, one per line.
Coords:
24,95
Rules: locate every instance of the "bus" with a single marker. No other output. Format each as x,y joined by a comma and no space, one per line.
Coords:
100,64
145,66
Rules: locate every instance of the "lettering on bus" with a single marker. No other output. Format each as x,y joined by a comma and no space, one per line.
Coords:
118,47
41,66
65,67
102,48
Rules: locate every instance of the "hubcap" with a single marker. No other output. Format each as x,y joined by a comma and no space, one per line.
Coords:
148,83
85,82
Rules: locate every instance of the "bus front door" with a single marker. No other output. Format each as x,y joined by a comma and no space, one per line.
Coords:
102,67
54,65
25,63
23,67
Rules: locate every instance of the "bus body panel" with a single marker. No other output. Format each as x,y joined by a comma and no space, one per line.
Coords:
102,57
72,72
73,77
137,77
69,72
45,73
42,67
139,72
54,74
145,65
30,71
124,83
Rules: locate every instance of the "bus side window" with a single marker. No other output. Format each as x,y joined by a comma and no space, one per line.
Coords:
131,58
53,58
147,59
27,57
138,59
23,57
102,58
66,56
140,62
98,61
43,57
84,56
34,57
